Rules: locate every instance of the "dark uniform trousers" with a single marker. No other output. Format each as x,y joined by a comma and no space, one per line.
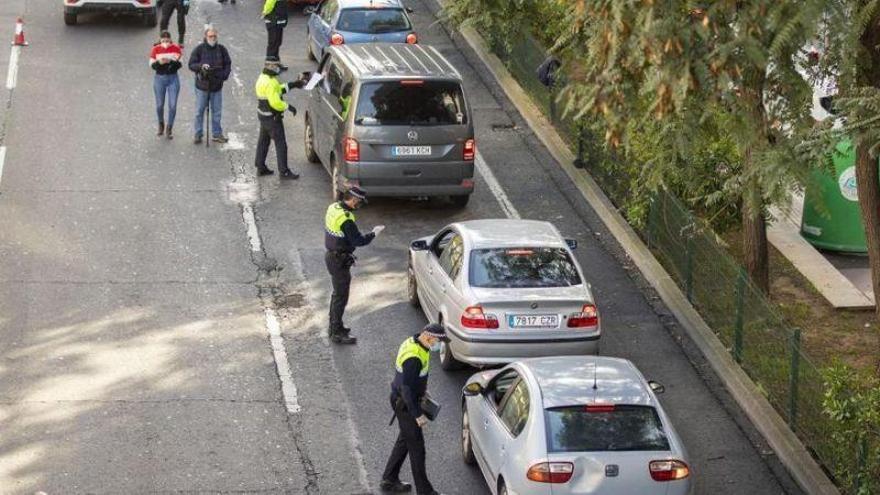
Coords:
272,129
339,265
410,441
275,34
168,7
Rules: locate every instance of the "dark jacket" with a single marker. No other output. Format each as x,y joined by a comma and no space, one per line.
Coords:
409,386
218,59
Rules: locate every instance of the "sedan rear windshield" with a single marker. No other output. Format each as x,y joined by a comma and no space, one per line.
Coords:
423,103
522,268
372,21
576,429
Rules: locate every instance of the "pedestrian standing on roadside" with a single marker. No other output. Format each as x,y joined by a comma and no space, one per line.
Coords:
270,112
275,17
182,8
165,60
211,63
409,387
341,237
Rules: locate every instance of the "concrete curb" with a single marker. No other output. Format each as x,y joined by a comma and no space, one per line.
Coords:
788,448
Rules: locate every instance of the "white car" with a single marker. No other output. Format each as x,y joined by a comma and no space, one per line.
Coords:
505,290
147,9
571,425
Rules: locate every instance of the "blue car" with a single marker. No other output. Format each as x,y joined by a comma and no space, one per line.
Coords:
337,22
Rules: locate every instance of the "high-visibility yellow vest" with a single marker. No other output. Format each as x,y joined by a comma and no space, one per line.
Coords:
411,348
336,216
269,91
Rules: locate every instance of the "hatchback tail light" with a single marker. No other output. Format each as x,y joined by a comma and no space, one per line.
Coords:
470,149
412,39
473,317
352,150
551,472
588,317
670,470
336,39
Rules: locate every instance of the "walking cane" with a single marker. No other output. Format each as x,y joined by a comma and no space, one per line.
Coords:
208,121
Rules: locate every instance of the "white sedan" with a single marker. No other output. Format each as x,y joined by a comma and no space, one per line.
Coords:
504,290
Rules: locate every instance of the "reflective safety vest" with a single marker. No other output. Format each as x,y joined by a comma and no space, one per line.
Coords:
336,216
411,348
269,91
275,12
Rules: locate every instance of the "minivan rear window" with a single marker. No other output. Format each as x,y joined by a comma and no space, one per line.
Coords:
522,268
621,428
408,102
372,21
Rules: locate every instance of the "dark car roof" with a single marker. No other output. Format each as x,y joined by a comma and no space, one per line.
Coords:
394,60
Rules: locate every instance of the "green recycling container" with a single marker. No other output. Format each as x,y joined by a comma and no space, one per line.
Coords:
831,219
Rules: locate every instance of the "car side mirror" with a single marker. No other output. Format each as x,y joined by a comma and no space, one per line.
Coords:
307,11
410,11
572,243
472,389
419,245
656,387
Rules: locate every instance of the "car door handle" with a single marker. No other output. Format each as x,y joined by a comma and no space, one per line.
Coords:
486,424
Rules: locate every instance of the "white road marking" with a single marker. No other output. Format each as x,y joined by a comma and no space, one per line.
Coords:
288,389
12,73
236,142
495,187
253,233
2,160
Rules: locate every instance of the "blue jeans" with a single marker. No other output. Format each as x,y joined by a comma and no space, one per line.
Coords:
166,84
203,98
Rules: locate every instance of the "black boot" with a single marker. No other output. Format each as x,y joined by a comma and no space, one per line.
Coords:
161,129
289,175
264,171
343,339
168,132
395,486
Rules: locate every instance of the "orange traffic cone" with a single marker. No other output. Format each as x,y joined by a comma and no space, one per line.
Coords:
18,40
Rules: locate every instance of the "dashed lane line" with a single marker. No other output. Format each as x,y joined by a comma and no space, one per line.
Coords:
2,160
12,73
496,189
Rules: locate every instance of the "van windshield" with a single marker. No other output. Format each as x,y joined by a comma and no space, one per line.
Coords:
372,21
411,102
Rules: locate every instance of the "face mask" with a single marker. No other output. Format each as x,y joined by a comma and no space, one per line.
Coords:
166,44
435,347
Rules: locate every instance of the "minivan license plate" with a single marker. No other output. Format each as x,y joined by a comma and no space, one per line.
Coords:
412,151
533,321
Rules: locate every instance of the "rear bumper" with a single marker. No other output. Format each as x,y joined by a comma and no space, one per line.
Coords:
411,179
476,351
130,7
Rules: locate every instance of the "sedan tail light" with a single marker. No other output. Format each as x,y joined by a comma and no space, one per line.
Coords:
144,2
412,39
336,39
670,470
588,317
352,150
473,317
470,149
551,472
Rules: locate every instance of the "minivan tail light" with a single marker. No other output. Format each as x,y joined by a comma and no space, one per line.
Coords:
336,39
352,150
412,39
412,82
470,150
669,470
588,317
551,472
473,317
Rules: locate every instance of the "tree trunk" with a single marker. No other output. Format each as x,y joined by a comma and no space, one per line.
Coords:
754,229
868,185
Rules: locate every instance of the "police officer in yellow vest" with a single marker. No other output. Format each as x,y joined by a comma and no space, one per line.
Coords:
407,390
270,111
341,237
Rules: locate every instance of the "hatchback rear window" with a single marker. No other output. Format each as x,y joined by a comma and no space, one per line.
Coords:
372,21
522,268
576,429
411,102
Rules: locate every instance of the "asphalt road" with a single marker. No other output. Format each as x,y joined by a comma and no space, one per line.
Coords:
137,298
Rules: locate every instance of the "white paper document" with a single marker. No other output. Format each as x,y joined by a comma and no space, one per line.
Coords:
316,78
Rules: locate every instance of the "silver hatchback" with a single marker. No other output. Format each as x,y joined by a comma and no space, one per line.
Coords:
571,426
504,290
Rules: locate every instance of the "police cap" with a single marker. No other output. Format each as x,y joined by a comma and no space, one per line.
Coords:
357,192
436,330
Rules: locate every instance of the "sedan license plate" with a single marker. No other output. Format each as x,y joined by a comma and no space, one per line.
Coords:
533,321
411,151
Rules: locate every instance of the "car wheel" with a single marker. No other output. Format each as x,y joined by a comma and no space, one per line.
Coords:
335,191
460,201
309,142
150,19
447,359
467,448
412,288
70,19
502,488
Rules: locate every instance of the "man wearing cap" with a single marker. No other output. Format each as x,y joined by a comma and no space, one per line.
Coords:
341,237
270,112
407,390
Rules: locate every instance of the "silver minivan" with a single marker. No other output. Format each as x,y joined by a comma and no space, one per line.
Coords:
393,120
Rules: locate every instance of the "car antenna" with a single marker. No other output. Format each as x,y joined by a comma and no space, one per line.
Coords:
595,384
